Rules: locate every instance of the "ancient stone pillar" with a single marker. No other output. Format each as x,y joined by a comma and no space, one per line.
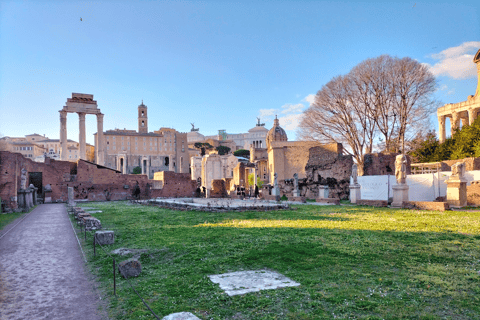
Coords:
471,116
63,135
454,124
477,93
441,129
82,136
100,156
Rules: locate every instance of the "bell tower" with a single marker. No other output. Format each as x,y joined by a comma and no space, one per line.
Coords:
142,119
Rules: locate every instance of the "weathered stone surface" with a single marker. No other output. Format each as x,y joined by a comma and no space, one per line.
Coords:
105,237
92,223
427,205
374,203
130,268
181,316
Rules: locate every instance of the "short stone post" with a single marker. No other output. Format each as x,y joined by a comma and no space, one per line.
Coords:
457,186
296,192
323,192
48,194
71,201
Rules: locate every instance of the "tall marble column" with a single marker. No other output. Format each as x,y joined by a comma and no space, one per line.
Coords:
81,136
63,135
471,116
99,150
454,123
441,129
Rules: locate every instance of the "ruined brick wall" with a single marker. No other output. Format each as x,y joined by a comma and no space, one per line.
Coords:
381,164
218,189
90,181
175,185
58,174
327,167
470,164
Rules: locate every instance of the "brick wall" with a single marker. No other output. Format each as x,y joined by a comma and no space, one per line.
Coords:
89,180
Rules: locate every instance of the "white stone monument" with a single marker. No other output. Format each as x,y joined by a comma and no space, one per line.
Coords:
296,192
323,192
276,189
457,186
400,190
354,187
71,198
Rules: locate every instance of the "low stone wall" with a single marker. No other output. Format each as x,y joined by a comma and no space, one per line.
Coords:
374,203
427,205
473,194
328,200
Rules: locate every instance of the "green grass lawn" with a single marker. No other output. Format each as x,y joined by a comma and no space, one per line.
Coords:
6,218
352,262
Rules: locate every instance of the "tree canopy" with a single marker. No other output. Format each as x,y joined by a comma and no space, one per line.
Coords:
384,99
464,143
242,153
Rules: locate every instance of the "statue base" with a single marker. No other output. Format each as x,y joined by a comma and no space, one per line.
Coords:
400,195
355,194
456,192
323,192
296,193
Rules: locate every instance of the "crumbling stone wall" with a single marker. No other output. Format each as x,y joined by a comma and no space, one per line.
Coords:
89,180
325,166
470,164
218,189
381,164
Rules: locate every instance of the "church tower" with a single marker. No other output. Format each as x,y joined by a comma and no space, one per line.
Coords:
142,119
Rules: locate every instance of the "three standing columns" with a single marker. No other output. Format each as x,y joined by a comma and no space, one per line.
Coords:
81,137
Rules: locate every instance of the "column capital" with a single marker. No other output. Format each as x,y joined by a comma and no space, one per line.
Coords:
81,115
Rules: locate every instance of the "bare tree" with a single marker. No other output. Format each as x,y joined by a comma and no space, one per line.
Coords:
336,116
413,86
384,98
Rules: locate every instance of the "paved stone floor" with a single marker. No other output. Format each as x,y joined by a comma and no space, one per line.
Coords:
42,271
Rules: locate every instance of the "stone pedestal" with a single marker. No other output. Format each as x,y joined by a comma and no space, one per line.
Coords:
275,191
355,194
456,192
323,192
400,194
296,193
35,196
21,201
208,193
71,201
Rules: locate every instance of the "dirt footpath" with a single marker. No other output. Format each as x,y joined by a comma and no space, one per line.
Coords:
42,271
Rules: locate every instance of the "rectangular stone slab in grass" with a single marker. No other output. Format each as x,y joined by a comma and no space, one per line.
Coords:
242,282
105,237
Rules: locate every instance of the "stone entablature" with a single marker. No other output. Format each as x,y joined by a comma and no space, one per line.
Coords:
82,104
466,111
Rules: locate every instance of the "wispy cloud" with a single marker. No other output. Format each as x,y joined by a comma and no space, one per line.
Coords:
292,108
289,115
456,62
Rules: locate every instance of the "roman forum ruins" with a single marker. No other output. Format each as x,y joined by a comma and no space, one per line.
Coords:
82,104
466,111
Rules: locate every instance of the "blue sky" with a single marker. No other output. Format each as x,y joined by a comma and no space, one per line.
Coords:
218,64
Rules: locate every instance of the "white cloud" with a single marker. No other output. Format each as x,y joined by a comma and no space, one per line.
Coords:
310,99
290,122
456,62
292,108
444,87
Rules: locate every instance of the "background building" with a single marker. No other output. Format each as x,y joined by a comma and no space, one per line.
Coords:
163,150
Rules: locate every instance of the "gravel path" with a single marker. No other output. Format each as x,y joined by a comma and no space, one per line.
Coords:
42,271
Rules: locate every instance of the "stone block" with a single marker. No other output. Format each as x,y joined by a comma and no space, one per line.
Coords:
456,193
400,195
373,203
130,268
323,192
427,205
105,237
329,200
355,194
92,223
181,316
